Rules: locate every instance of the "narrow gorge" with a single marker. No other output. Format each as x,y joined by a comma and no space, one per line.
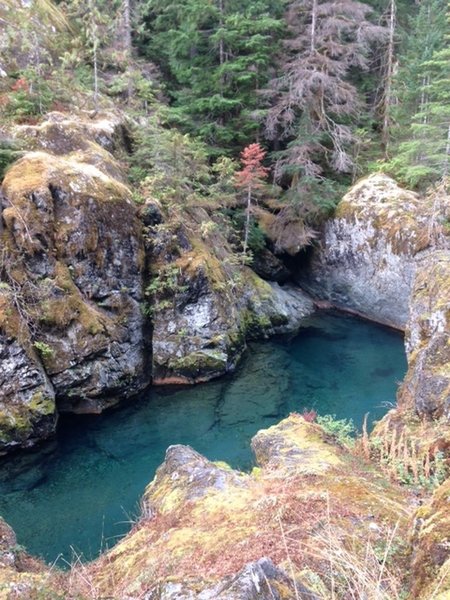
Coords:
104,300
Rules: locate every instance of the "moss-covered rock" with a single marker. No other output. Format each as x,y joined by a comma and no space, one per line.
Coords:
23,577
413,440
27,398
203,302
368,253
71,274
430,574
202,523
426,387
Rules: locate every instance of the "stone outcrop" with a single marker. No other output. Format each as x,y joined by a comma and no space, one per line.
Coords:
426,387
207,531
421,420
368,253
21,576
202,301
72,258
27,405
98,295
259,580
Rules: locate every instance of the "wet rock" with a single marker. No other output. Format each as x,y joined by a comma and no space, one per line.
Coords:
367,257
279,309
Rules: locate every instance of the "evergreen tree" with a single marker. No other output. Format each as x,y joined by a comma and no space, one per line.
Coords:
249,179
216,56
315,102
423,126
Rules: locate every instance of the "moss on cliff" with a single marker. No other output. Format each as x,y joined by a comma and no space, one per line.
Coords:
202,522
394,216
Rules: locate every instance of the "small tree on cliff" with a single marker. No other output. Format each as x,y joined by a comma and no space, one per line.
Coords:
249,179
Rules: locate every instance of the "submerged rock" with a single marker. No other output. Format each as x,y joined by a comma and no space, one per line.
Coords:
367,256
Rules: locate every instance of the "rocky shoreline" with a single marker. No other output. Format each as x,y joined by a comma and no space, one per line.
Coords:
100,297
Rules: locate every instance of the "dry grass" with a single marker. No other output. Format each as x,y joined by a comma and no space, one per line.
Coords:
414,455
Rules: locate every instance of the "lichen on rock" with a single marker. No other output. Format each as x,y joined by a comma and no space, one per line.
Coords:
202,523
427,384
367,256
71,269
203,301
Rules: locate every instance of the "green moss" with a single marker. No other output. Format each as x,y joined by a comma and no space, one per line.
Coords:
197,363
41,404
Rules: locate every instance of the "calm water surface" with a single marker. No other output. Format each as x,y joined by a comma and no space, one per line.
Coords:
81,494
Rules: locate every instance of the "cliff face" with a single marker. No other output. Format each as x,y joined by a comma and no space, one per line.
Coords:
202,301
386,255
72,258
368,253
99,295
427,384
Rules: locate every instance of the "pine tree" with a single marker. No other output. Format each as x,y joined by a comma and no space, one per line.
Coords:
215,56
315,102
423,129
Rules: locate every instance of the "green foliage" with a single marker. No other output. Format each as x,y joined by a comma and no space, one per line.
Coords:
215,56
170,165
32,101
343,430
44,349
8,154
162,289
422,148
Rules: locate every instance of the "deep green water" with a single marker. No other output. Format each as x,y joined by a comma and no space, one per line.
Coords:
83,491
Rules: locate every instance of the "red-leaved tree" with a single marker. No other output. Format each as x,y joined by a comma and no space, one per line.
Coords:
250,178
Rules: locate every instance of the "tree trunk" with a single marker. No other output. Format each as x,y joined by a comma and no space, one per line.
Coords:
126,8
389,73
93,34
313,25
247,220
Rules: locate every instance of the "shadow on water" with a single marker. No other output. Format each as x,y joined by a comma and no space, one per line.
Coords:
83,490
